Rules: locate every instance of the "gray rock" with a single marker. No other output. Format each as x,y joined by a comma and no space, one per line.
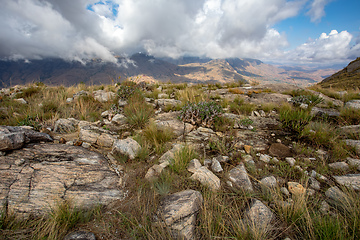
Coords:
207,178
354,162
122,103
216,166
353,143
52,173
279,150
69,100
314,184
285,191
200,135
21,100
353,104
82,93
336,195
128,147
194,165
269,182
349,180
265,158
178,212
155,171
120,120
323,112
259,216
169,155
290,160
239,178
161,103
15,137
349,130
103,96
80,235
324,207
63,125
178,127
343,166
163,96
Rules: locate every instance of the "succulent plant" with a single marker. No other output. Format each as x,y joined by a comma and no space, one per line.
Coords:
201,114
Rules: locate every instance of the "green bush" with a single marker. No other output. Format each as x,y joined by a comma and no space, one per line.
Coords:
126,89
201,114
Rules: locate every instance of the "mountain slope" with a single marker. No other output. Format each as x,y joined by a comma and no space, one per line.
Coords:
348,78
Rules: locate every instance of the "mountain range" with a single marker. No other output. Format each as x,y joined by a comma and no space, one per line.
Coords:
348,78
144,67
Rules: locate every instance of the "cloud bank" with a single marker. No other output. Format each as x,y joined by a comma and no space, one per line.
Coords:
85,29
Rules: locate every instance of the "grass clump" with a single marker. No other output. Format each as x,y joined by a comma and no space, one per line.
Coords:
191,94
137,111
157,136
182,158
295,120
238,106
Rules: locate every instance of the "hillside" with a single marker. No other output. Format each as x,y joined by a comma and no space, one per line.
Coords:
348,78
186,69
177,161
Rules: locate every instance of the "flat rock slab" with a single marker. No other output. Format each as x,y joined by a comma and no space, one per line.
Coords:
40,176
350,180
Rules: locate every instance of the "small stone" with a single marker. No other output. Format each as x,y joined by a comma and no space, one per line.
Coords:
275,160
269,182
265,158
290,160
342,166
239,178
223,159
86,145
296,188
285,191
278,140
70,143
248,158
324,207
207,162
315,184
279,150
247,149
80,235
62,140
216,166
69,100
310,192
194,165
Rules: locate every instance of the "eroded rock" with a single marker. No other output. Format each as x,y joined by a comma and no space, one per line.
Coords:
52,173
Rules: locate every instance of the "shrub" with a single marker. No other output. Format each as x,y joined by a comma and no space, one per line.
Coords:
126,89
201,114
295,120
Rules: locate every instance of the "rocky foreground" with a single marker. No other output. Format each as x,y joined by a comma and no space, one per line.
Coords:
77,161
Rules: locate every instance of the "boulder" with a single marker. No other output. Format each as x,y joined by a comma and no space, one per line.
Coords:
178,212
95,135
128,147
63,125
207,178
51,173
169,155
336,195
103,96
15,137
239,178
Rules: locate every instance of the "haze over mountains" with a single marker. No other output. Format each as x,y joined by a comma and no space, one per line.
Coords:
187,69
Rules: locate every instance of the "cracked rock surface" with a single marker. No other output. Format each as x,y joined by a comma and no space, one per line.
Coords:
36,178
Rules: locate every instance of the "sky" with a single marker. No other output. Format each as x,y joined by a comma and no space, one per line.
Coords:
308,32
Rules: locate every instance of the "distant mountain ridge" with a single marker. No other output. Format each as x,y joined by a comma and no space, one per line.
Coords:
348,78
187,69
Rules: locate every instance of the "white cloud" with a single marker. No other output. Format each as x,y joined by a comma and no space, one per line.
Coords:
328,48
317,11
213,28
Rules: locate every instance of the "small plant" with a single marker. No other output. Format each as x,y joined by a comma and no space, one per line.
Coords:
30,121
245,122
126,89
201,114
295,120
349,116
137,111
310,100
182,158
157,137
191,94
238,106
